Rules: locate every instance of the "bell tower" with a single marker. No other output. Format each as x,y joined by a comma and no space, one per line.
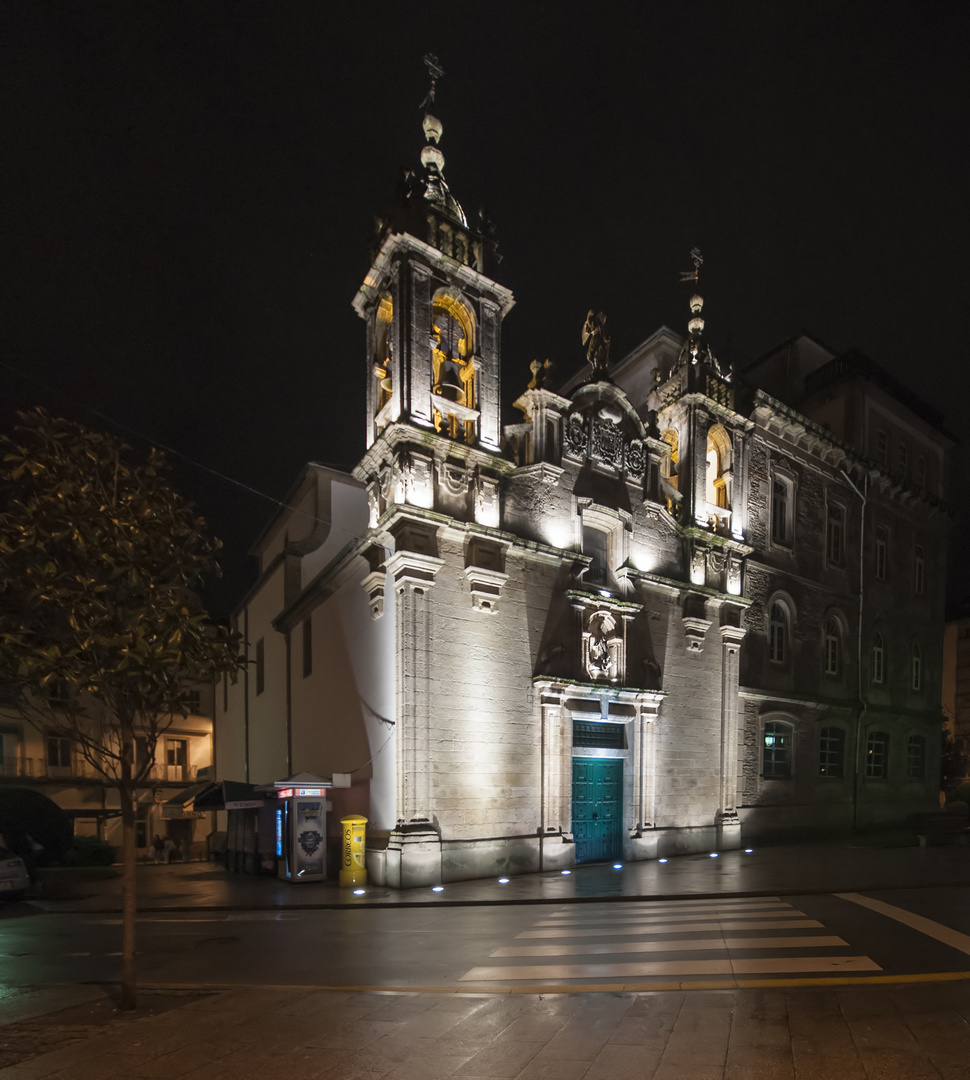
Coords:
434,319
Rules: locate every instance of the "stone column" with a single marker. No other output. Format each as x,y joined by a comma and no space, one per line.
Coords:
728,822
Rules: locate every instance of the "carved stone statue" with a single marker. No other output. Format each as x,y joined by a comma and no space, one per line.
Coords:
597,343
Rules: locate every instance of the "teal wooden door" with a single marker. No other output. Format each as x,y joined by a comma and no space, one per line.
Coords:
597,817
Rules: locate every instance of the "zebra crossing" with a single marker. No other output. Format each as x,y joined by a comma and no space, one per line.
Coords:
645,940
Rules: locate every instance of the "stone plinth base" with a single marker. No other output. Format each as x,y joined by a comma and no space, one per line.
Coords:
728,832
412,858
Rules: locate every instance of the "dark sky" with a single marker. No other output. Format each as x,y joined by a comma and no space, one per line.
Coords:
187,192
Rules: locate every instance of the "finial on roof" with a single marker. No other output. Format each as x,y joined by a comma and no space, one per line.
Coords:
436,189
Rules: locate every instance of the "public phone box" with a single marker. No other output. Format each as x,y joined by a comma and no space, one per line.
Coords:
301,834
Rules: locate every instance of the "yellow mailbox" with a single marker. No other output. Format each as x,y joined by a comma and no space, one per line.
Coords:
352,869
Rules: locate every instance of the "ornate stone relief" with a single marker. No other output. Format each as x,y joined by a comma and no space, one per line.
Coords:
487,502
695,630
601,439
603,647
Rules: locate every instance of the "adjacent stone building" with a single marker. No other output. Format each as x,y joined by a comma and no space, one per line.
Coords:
675,607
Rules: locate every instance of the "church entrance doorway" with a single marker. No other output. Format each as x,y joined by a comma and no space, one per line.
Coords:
597,815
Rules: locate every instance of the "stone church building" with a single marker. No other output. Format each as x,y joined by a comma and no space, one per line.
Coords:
675,607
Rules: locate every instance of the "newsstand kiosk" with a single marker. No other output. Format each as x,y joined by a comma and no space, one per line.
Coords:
301,829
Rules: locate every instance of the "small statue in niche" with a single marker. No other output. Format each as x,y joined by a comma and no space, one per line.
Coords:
597,343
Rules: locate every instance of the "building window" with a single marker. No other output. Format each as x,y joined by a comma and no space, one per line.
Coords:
776,761
176,758
877,755
193,702
902,459
831,752
916,668
920,472
260,667
882,448
307,647
778,634
916,758
58,752
882,552
782,499
833,646
596,545
718,467
835,535
878,670
919,569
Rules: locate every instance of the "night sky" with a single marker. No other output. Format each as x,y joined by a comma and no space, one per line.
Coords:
187,194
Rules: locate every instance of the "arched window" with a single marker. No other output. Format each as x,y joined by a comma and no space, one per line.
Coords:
778,633
669,462
878,666
831,752
718,467
916,758
383,367
776,758
833,646
453,366
916,668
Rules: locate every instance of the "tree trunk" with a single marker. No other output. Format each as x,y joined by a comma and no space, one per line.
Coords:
128,898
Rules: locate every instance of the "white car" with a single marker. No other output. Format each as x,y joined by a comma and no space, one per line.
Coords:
14,878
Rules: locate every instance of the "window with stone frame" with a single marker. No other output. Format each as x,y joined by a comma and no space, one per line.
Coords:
718,467
835,534
919,569
831,752
782,509
596,544
916,758
877,755
881,552
778,632
902,459
832,646
916,667
877,669
777,751
882,448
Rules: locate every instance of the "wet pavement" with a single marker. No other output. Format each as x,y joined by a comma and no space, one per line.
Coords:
904,1029
879,863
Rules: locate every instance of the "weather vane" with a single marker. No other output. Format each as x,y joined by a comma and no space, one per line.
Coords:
436,71
695,254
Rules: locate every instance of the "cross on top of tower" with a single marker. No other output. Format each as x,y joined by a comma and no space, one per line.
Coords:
436,72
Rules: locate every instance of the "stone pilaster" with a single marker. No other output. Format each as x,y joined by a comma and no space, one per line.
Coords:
414,576
728,823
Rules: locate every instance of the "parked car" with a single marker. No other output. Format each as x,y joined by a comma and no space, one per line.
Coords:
13,876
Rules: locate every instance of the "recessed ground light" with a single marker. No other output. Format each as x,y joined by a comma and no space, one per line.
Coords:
617,866
713,854
661,860
359,892
566,873
503,881
748,850
437,888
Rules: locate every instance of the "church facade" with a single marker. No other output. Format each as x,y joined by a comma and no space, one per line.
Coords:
674,608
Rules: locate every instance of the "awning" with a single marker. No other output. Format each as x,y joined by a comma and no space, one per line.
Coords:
183,805
229,795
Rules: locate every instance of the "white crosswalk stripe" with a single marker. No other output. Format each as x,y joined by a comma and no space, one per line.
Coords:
728,937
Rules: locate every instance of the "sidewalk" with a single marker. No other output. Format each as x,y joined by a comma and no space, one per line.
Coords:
847,866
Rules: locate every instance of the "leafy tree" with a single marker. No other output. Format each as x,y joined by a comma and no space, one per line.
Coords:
101,635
